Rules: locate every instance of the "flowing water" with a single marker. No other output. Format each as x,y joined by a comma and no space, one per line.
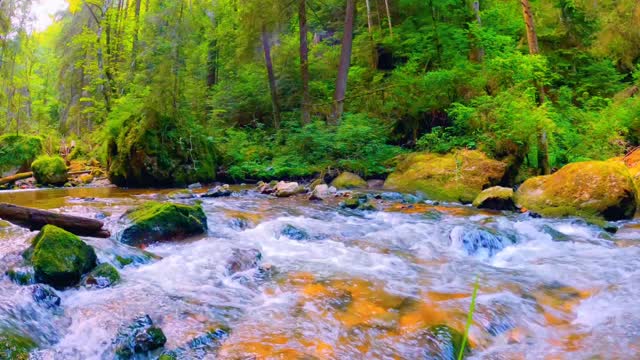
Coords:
347,284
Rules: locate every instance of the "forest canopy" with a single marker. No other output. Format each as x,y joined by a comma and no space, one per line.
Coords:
167,92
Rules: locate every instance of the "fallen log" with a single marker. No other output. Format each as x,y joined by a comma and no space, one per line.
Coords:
15,177
35,219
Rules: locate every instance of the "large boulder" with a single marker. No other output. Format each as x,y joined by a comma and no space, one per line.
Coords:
17,152
60,258
458,176
495,198
347,180
50,170
591,189
286,189
154,221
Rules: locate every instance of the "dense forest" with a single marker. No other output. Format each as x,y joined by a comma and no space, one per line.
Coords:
174,92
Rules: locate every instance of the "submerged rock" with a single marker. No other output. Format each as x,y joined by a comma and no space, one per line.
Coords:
243,260
22,276
141,336
104,275
358,202
286,189
347,180
45,296
475,240
459,176
60,258
153,222
200,346
50,170
218,191
495,198
15,346
445,343
294,233
591,189
181,194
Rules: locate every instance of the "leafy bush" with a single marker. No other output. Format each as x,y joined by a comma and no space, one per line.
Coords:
18,151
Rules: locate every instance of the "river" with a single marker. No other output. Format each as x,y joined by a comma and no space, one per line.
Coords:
346,284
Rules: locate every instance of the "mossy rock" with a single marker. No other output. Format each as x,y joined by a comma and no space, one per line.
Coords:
445,343
347,180
14,346
495,198
590,189
154,222
60,258
104,275
139,337
50,170
17,152
459,176
21,276
181,194
86,178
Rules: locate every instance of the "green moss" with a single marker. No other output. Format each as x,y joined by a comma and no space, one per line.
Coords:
60,258
155,221
50,170
103,275
347,180
124,261
15,346
497,198
594,190
21,276
18,151
351,203
458,176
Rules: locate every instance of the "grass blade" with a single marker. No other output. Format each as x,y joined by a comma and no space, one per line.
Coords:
472,309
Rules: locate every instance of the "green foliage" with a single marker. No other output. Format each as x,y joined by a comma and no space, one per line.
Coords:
18,151
50,170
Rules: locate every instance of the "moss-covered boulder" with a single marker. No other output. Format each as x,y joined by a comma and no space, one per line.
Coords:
15,346
17,152
495,198
104,275
347,180
60,258
154,221
459,176
591,189
50,170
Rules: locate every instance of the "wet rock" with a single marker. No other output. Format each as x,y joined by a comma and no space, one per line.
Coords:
86,178
294,233
239,223
153,222
135,259
266,188
358,202
22,276
375,184
139,337
194,186
459,176
45,296
50,170
218,191
183,194
103,276
350,203
316,182
14,346
495,198
60,258
432,215
243,260
347,180
390,196
286,189
590,189
476,240
322,191
211,340
555,234
444,343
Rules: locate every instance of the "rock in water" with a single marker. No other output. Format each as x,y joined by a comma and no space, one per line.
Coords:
50,170
181,194
45,296
140,337
479,240
286,189
22,276
60,258
444,343
321,192
294,233
591,189
218,191
104,275
458,176
495,198
14,346
243,260
347,180
153,222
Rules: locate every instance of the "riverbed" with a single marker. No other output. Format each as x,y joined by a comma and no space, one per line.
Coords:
346,284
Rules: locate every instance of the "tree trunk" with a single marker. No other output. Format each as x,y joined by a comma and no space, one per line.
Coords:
345,61
304,62
369,19
272,79
476,10
136,30
532,40
386,4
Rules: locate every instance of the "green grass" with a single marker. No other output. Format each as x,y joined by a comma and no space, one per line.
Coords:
472,309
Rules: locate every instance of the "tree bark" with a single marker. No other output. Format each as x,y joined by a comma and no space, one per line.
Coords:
272,79
304,61
136,30
369,19
532,39
13,178
345,62
35,219
386,4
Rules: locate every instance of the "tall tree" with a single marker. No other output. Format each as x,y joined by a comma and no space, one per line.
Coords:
304,61
266,46
532,40
345,61
386,5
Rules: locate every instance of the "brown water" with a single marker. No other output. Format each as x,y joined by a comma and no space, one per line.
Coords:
358,286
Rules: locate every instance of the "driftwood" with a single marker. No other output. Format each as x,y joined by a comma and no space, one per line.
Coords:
35,219
15,177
